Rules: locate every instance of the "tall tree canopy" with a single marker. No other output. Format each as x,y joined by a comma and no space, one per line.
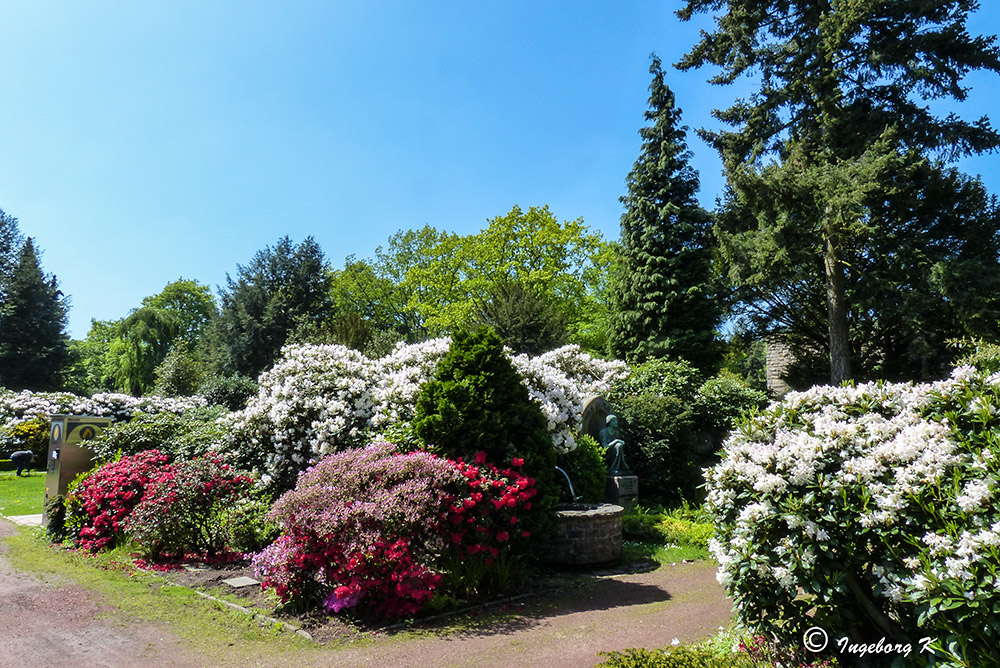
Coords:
191,303
10,247
33,342
282,288
840,106
445,280
663,304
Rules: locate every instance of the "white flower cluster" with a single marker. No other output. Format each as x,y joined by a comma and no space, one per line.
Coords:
320,399
877,478
560,380
17,407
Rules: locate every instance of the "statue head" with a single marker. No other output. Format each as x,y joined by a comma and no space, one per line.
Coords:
612,420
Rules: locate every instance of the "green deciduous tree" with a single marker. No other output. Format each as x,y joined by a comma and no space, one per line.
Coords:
282,288
142,341
444,279
33,346
92,368
663,303
191,304
839,87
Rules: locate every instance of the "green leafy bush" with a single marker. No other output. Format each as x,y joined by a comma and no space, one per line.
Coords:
477,402
183,436
246,523
681,526
229,391
673,423
586,470
723,399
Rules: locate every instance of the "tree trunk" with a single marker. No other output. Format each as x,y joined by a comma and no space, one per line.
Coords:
836,304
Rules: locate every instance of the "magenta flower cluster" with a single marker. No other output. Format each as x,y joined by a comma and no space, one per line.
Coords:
373,529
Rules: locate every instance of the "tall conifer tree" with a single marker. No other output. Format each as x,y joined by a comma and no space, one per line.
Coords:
661,296
840,113
33,346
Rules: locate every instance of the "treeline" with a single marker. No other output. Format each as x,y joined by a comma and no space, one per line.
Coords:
537,281
845,231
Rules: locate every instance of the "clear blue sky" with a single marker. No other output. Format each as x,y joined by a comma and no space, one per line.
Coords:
144,142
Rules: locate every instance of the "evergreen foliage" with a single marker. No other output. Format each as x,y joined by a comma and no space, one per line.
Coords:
524,320
279,290
477,402
841,106
662,300
10,245
33,346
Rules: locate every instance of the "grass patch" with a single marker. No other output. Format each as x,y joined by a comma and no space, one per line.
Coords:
22,496
662,554
225,637
666,536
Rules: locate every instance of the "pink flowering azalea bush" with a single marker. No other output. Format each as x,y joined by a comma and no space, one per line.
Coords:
358,530
180,510
870,512
375,530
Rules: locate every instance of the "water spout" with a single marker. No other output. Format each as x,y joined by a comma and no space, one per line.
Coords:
569,482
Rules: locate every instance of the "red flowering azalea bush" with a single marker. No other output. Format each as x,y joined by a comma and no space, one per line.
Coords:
103,500
488,541
179,512
383,532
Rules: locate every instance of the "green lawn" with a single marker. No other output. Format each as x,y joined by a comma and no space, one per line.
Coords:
22,496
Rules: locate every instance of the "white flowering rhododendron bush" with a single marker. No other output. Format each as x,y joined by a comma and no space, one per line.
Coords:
17,407
321,399
870,512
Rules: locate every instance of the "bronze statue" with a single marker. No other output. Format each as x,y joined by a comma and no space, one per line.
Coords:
611,441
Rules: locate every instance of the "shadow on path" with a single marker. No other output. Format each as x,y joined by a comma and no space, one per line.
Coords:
600,596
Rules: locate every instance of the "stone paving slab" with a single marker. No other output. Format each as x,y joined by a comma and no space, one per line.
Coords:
27,520
241,581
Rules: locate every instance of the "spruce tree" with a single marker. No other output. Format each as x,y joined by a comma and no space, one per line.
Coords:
10,248
661,296
33,344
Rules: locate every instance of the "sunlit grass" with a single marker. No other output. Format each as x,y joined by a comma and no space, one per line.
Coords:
22,496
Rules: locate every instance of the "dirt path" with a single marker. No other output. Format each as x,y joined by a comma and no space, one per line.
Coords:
60,625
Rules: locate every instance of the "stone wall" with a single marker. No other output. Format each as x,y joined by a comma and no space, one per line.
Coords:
585,534
778,357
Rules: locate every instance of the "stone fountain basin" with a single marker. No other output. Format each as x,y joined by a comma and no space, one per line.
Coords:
585,533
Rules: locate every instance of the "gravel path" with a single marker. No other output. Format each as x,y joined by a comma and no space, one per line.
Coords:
60,625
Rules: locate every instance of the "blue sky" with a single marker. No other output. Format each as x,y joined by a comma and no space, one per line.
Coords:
145,142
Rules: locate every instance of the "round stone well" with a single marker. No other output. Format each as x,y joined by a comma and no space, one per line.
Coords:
585,533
